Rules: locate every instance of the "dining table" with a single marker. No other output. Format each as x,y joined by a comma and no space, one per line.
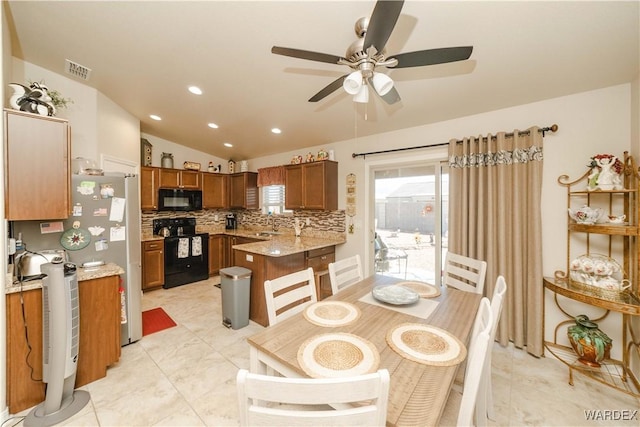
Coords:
420,383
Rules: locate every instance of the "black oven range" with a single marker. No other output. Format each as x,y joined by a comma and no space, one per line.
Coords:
186,253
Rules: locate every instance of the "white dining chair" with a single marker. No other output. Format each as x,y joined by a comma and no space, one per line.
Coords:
464,273
278,401
289,294
497,302
344,273
461,406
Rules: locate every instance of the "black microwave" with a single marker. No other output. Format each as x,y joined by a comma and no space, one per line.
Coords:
175,199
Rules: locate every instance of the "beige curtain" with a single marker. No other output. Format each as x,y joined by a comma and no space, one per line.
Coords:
494,215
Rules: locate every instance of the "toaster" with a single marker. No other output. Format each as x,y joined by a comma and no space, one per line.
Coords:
29,262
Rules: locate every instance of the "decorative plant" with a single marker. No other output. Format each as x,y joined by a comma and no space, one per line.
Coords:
57,99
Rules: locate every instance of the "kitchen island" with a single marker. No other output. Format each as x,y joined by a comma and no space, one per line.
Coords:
277,256
99,346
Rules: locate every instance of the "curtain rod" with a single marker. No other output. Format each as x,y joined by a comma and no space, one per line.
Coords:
552,128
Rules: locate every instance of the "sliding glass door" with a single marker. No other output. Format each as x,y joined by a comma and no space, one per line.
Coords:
410,219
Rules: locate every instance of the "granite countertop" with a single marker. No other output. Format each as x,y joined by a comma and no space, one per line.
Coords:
283,245
109,269
276,245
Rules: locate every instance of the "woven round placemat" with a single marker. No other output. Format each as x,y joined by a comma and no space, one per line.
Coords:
426,344
331,313
425,290
337,355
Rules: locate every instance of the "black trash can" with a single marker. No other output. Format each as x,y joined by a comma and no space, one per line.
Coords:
235,283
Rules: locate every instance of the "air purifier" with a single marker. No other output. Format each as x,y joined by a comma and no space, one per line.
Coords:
61,339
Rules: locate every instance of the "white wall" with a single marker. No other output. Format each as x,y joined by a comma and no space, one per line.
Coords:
183,154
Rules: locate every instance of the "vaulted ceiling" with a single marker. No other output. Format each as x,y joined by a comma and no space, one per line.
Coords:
144,54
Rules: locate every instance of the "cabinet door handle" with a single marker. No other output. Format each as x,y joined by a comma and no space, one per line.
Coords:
323,257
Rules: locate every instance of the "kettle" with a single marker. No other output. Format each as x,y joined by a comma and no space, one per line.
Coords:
164,232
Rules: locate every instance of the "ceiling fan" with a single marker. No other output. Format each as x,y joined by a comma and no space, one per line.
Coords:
367,53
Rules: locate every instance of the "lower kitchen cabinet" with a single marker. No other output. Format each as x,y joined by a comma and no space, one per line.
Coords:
152,264
217,253
265,268
319,260
99,345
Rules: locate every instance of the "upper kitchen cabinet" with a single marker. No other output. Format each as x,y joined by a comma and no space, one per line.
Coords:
214,190
243,190
149,184
312,185
37,150
177,178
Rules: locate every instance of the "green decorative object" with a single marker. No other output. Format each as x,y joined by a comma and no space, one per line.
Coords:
590,343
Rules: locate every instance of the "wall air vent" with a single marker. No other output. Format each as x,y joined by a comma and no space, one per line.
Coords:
77,70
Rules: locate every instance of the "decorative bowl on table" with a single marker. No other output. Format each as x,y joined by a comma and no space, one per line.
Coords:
396,295
585,215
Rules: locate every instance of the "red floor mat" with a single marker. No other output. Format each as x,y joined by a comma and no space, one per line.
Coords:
155,320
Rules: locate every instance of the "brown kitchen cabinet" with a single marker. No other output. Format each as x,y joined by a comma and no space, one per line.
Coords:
99,345
265,268
231,241
214,190
319,260
152,264
45,177
178,178
312,185
149,184
243,190
217,251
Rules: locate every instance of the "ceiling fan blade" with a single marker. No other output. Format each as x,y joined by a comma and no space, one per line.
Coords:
391,97
383,18
432,56
328,89
306,54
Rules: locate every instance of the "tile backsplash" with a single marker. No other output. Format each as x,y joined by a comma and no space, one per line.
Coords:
321,223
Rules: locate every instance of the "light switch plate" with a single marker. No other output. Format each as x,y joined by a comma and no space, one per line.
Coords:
249,258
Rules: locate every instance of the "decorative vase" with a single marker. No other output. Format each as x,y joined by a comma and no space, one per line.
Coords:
590,343
166,161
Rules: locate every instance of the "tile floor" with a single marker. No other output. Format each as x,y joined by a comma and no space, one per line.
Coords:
185,376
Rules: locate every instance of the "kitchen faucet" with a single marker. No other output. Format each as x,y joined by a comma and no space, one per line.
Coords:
272,217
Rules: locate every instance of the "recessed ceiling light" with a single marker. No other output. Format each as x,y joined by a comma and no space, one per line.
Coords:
228,144
276,130
213,125
154,117
195,90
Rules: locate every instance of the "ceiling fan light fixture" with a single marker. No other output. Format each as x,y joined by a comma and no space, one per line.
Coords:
382,83
362,96
353,83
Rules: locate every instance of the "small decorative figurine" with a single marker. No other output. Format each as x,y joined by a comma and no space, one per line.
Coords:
310,158
211,168
322,154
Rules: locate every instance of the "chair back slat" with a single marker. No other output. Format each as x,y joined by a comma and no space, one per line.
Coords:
271,400
464,273
284,299
344,273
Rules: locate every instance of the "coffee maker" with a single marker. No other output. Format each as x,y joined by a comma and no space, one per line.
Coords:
232,222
